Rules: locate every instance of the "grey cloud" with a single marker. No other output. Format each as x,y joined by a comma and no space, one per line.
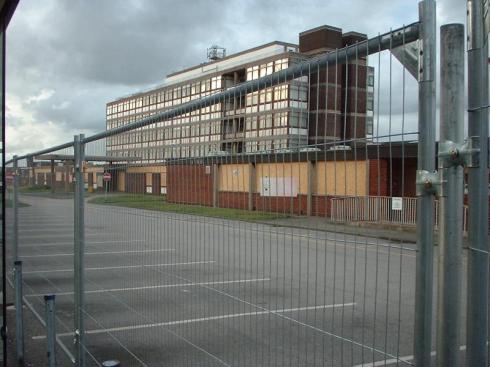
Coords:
91,52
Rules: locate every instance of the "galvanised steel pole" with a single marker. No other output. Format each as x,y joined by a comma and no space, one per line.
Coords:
50,329
79,248
477,302
451,197
19,317
425,202
15,208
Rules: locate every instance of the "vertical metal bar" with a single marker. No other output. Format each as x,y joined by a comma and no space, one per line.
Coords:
451,200
67,175
50,329
310,182
19,318
477,302
76,270
53,178
4,247
79,252
15,208
426,161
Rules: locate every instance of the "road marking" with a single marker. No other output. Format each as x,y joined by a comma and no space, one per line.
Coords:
39,218
119,267
57,229
43,244
47,221
69,234
99,253
405,359
202,319
23,224
43,323
159,286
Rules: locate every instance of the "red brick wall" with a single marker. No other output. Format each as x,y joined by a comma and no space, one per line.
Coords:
189,184
403,177
296,205
321,206
235,200
378,173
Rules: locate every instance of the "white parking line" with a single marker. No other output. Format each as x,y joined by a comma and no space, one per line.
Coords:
202,319
57,229
240,281
69,234
387,362
39,218
119,267
44,224
97,253
41,244
45,221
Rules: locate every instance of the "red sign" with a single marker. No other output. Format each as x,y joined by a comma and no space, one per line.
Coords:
107,176
9,177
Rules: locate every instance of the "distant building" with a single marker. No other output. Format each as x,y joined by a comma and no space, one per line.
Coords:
294,114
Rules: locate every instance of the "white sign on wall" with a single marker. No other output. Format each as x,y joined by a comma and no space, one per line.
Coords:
396,203
279,186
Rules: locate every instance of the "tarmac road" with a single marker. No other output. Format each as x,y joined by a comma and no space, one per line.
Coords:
166,289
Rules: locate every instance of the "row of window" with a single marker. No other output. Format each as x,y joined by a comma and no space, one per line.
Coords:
283,93
207,149
167,95
274,144
258,71
173,128
292,133
200,87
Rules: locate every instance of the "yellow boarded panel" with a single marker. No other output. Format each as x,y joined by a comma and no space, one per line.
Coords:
234,177
146,169
121,184
342,178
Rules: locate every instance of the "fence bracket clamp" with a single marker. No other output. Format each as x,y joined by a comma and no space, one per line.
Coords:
76,336
465,154
428,183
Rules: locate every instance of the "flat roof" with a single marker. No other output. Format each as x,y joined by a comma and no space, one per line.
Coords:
329,27
280,43
92,158
179,77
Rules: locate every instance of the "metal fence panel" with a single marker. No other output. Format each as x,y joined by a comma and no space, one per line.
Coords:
268,217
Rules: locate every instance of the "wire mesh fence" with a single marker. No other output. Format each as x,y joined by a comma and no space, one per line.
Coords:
262,216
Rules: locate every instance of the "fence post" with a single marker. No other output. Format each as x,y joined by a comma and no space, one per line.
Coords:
15,208
477,301
53,176
19,317
425,205
50,329
79,248
451,197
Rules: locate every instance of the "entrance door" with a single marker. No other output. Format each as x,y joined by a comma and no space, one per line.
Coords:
155,183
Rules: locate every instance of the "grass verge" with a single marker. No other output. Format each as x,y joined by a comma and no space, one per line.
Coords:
8,204
158,203
35,189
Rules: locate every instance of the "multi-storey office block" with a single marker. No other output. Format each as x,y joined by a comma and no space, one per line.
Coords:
316,108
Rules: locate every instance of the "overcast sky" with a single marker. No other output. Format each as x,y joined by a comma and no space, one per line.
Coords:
67,58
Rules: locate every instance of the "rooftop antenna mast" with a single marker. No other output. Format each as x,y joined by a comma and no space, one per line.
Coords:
216,52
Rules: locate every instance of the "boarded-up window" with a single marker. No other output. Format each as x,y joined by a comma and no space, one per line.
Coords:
279,186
